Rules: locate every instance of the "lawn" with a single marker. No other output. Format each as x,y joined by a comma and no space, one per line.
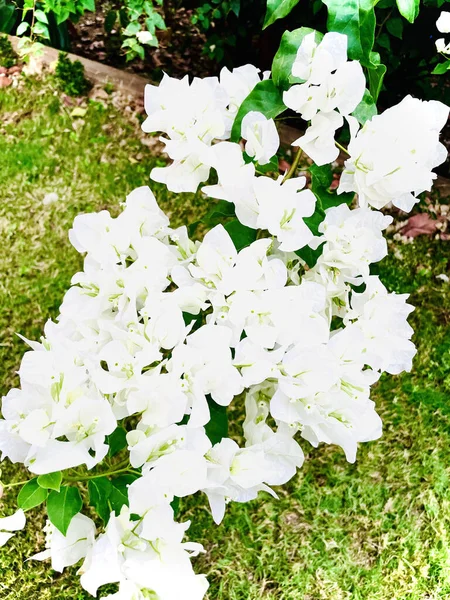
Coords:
376,530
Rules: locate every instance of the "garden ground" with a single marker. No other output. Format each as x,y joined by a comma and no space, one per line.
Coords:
376,530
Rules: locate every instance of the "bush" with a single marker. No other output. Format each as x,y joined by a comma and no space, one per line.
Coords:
70,76
8,58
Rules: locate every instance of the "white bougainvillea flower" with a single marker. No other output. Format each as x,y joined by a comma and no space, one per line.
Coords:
315,61
318,140
261,137
443,23
66,550
442,46
392,156
284,218
9,525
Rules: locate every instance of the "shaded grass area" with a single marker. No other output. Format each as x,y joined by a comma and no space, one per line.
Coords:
375,530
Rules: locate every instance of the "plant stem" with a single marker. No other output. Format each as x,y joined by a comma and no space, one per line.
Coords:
342,148
294,165
8,485
97,475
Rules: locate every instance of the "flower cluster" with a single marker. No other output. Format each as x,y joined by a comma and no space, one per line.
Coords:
443,25
158,333
332,88
192,115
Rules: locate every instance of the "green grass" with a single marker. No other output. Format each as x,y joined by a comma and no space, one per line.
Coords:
376,530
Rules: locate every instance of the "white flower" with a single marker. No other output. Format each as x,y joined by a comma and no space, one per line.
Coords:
67,550
144,37
443,23
282,208
392,156
442,47
261,137
314,62
11,524
318,140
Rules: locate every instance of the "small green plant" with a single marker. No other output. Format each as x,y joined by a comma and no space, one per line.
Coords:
8,58
70,76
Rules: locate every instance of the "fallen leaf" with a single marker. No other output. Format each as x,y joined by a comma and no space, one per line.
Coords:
78,112
421,224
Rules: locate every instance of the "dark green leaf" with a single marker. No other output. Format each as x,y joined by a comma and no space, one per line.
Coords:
366,109
309,255
384,41
376,75
277,9
51,481
355,19
31,495
235,6
395,27
175,504
7,17
409,9
285,56
110,20
119,491
99,492
63,506
217,428
241,235
117,441
264,98
220,211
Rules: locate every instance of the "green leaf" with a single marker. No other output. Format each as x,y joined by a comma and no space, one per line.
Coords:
441,68
221,210
116,441
264,98
277,9
41,16
89,5
31,495
7,17
235,6
321,178
376,75
285,56
217,428
366,109
51,481
409,9
132,28
110,20
175,504
241,235
395,27
159,21
119,491
384,40
99,491
355,19
63,506
41,29
22,28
